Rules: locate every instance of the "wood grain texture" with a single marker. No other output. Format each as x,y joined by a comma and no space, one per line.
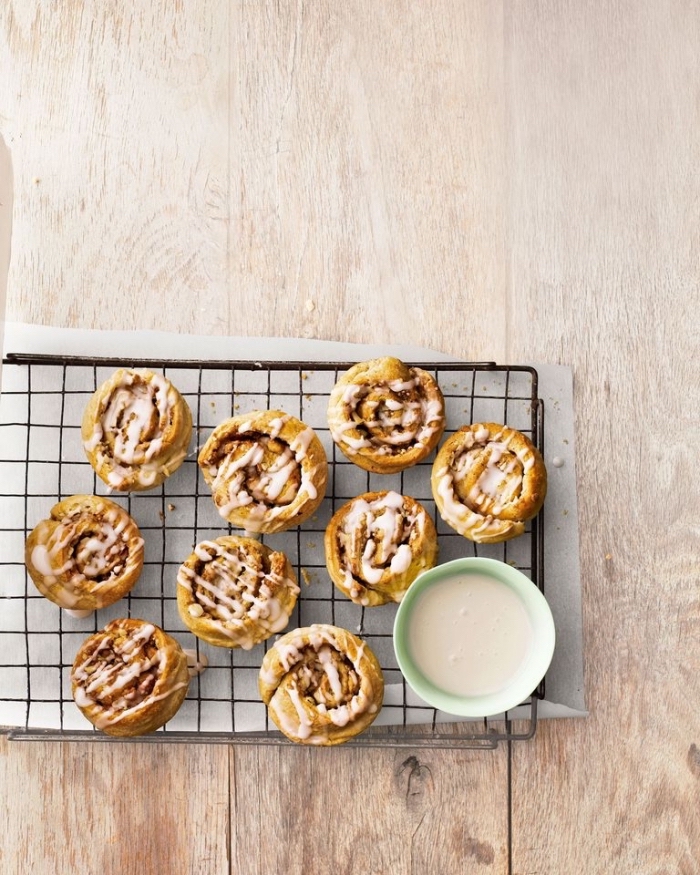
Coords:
6,205
369,811
71,807
366,170
216,166
605,143
117,119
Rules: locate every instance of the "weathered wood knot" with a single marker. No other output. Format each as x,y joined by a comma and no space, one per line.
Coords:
417,775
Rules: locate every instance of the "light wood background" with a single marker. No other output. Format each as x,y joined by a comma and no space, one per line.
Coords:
506,180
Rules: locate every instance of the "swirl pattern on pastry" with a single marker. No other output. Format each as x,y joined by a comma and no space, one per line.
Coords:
136,430
386,416
236,592
377,544
87,555
322,685
488,480
267,470
130,678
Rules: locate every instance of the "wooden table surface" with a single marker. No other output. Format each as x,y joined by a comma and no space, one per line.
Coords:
513,181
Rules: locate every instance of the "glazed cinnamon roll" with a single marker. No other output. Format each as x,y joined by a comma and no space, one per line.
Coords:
130,678
266,469
136,430
87,555
488,480
386,416
236,592
321,684
376,546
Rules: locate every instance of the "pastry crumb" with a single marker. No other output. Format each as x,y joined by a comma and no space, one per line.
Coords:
307,577
161,516
171,507
608,556
310,306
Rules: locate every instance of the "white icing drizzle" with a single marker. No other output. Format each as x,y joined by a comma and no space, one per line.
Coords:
295,670
129,435
503,465
326,660
195,664
396,423
304,728
241,481
94,561
458,514
101,679
277,424
237,596
389,529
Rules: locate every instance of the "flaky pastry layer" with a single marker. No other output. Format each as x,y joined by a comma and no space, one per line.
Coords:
236,592
87,555
130,678
377,544
386,416
488,480
136,429
322,685
267,470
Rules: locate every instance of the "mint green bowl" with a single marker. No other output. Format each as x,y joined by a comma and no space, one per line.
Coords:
530,672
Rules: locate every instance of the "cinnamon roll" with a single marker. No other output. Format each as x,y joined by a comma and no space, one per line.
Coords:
87,555
488,480
130,678
386,416
321,684
266,469
236,592
136,430
376,546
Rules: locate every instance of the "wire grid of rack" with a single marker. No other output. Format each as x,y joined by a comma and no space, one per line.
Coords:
42,461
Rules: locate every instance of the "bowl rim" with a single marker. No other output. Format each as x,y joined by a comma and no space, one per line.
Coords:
526,679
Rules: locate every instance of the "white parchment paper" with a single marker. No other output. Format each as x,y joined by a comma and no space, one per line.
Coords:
564,682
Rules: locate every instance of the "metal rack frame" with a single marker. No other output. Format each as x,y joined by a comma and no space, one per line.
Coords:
306,386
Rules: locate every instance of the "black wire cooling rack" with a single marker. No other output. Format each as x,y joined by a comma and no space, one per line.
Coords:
42,461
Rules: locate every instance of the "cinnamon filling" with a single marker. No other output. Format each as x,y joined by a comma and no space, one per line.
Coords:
96,555
230,585
120,672
326,676
260,468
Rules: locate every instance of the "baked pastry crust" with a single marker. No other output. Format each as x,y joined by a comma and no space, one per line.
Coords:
376,546
322,685
130,678
488,480
87,555
267,470
386,416
136,429
236,592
